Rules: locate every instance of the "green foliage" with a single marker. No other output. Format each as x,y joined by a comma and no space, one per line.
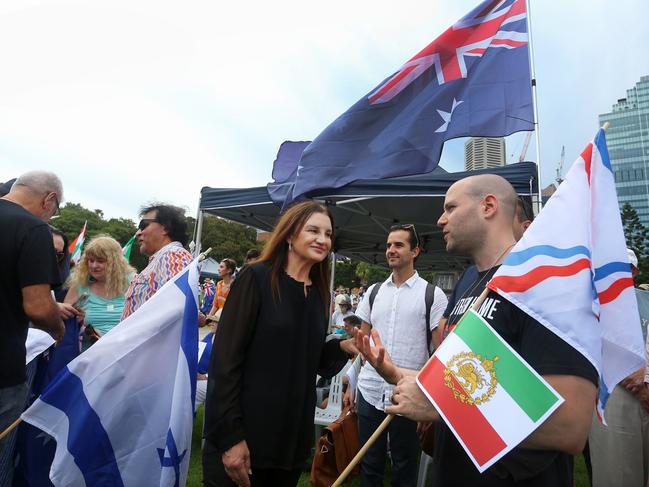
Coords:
637,238
228,239
369,273
73,215
346,274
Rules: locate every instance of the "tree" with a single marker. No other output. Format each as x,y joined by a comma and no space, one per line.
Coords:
370,273
637,239
346,274
73,215
228,239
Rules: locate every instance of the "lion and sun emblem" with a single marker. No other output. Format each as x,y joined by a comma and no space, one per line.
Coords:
475,375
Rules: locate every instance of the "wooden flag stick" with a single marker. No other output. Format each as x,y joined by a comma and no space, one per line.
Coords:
363,450
10,428
202,255
389,417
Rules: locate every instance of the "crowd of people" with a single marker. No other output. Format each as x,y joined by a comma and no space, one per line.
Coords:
279,328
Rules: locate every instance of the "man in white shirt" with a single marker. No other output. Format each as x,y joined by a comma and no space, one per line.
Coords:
398,312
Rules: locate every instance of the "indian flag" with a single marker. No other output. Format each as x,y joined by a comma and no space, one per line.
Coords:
486,393
77,245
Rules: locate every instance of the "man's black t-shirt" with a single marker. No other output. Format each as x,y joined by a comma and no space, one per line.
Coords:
28,258
547,354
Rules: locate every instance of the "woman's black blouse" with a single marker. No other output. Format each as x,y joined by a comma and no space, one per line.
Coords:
262,374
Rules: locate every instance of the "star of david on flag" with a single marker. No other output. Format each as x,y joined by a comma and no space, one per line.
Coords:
122,412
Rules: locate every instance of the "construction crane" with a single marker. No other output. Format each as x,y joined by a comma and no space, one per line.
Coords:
559,178
528,137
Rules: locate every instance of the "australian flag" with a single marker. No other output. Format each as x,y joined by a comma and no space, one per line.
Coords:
473,80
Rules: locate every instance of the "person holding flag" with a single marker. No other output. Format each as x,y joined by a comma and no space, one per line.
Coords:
477,221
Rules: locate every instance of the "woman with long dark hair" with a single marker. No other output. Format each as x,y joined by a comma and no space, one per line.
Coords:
269,346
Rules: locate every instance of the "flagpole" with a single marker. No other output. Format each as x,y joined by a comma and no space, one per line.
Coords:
537,131
363,450
10,428
384,424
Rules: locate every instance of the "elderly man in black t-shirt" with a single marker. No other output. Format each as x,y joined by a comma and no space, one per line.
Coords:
29,271
477,221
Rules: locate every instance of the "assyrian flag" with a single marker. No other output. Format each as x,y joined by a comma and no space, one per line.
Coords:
76,247
487,394
126,250
122,412
571,271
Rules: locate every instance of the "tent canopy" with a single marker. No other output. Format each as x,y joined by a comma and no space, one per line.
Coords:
365,210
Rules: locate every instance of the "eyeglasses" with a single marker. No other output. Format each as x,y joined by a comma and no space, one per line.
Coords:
145,222
60,256
408,227
56,203
527,209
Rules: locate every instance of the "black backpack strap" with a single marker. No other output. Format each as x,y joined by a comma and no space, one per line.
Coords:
372,296
430,299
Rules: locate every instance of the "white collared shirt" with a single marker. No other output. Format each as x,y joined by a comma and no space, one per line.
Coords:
399,315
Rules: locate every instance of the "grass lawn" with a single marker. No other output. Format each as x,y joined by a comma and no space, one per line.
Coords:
195,478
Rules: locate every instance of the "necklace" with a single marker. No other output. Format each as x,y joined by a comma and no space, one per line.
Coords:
486,273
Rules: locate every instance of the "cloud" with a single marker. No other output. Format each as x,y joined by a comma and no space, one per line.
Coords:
135,101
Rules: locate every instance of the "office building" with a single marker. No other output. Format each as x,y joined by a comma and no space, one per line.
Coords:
628,146
483,152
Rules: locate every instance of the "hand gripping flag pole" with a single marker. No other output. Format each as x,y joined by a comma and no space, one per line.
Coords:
389,417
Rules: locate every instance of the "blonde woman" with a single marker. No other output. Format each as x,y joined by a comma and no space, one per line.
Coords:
98,283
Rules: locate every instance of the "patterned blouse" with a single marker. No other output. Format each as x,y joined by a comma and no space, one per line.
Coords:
163,265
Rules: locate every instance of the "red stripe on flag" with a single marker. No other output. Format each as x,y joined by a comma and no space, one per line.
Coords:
72,245
587,156
390,84
614,290
519,284
469,423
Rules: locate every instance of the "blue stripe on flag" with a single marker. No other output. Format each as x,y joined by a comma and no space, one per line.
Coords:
610,268
88,441
600,142
189,336
517,258
602,397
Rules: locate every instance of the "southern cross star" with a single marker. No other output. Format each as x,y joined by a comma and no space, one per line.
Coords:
446,116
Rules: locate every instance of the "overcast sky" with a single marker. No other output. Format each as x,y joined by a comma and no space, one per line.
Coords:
131,101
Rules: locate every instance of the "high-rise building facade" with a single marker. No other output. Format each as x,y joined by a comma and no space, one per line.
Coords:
628,146
483,152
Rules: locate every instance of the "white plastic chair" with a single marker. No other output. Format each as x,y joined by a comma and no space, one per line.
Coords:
328,415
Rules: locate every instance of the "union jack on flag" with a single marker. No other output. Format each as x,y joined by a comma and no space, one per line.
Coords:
571,271
208,288
491,25
473,80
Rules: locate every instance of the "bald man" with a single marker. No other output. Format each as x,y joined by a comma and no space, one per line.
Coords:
29,271
477,221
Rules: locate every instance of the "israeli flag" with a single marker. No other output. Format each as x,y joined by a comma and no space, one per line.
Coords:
122,412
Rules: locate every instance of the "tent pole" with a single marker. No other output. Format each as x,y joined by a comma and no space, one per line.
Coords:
332,256
535,106
198,232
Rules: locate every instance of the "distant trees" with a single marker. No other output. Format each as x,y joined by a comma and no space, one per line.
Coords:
637,239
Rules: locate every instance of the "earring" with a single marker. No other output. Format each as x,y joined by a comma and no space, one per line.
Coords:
290,247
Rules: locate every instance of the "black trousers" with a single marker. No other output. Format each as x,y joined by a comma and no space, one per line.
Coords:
404,448
214,474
